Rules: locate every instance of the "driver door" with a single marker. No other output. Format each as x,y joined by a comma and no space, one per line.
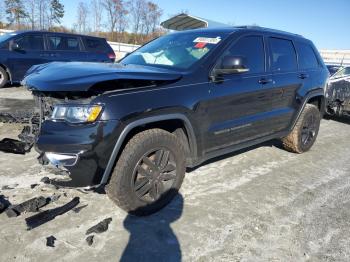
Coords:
241,106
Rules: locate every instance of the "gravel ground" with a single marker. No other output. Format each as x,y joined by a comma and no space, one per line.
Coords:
260,204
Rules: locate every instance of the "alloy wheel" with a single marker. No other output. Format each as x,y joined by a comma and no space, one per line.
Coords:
154,174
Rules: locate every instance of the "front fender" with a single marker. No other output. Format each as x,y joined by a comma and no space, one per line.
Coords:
152,119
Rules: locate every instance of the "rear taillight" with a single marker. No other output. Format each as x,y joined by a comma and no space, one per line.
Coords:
111,56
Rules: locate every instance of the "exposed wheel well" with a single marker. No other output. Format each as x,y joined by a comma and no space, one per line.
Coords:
175,126
7,71
317,101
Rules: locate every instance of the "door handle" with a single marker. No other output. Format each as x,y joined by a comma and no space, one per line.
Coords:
303,76
265,81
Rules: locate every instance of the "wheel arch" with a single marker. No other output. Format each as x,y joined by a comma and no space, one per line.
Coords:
315,97
7,70
146,123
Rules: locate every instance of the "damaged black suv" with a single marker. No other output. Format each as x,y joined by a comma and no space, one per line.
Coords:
174,103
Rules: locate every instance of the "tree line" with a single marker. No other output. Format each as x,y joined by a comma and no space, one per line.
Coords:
132,21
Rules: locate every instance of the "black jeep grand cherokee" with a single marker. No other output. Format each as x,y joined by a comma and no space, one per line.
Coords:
174,103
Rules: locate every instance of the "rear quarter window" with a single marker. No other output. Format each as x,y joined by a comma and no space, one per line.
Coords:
306,56
283,56
94,45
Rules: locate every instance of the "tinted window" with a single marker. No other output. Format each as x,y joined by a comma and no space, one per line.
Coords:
92,44
31,42
64,43
251,48
306,56
283,55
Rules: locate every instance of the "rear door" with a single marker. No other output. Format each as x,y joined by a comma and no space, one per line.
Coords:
240,108
65,48
287,79
31,52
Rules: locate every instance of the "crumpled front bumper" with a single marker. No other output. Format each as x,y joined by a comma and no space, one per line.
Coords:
84,150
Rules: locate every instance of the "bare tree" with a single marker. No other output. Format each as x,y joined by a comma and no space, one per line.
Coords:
116,12
149,18
97,15
137,10
31,7
43,13
2,8
153,16
82,14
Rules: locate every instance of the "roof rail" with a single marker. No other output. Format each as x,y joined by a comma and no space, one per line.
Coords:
266,29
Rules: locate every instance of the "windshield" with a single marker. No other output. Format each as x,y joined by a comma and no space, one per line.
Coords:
178,51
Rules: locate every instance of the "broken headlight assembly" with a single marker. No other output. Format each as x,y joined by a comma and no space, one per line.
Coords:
77,114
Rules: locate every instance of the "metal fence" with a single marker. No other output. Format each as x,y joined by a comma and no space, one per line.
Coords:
338,57
121,49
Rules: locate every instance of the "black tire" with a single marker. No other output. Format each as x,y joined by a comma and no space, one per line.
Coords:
4,78
304,133
134,173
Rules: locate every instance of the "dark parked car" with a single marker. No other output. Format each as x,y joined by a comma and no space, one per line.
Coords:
174,103
22,49
338,92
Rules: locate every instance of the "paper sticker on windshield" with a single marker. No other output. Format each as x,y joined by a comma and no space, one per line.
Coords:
207,40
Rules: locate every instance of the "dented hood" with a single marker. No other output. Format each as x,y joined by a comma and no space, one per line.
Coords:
80,76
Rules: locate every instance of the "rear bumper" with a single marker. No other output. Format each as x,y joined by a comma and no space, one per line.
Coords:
84,150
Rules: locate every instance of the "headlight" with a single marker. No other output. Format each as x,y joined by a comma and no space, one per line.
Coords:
77,113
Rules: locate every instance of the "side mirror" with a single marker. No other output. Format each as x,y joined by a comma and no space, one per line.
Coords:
232,65
14,46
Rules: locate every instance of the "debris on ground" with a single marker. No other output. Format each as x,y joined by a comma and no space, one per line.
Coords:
45,180
50,241
8,145
31,120
54,197
90,240
100,227
31,205
4,203
7,187
32,186
78,209
48,215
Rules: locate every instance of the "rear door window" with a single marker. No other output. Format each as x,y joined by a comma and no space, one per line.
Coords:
251,48
283,56
64,43
31,42
306,56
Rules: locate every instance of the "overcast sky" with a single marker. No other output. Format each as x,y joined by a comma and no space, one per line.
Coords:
325,22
